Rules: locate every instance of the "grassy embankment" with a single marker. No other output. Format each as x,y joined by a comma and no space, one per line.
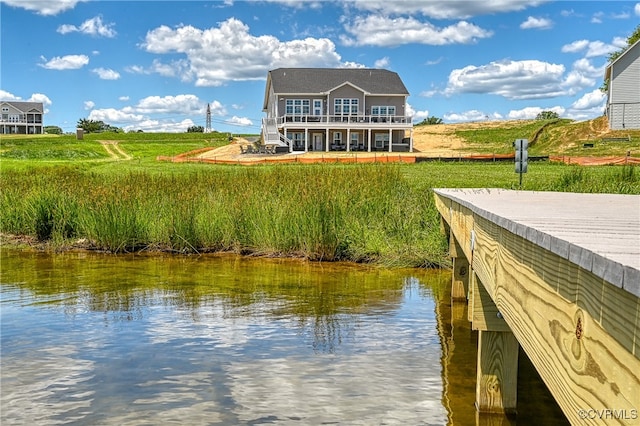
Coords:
59,190
553,137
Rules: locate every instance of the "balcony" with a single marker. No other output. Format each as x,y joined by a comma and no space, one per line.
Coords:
21,120
346,121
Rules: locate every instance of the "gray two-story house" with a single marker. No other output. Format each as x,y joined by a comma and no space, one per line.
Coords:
336,109
623,95
21,117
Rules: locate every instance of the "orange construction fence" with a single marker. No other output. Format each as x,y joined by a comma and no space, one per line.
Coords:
595,161
191,157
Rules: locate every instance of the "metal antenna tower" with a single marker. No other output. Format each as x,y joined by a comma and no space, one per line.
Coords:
207,128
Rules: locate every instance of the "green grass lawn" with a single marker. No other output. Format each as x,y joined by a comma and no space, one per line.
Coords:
21,151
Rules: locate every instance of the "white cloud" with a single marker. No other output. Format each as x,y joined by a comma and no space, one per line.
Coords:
239,121
382,62
636,9
591,104
375,30
575,46
142,115
7,96
89,105
529,79
230,53
593,99
417,115
106,73
93,27
443,9
40,97
46,8
594,48
434,61
35,97
472,115
165,126
179,104
597,18
123,98
68,62
114,116
536,23
529,113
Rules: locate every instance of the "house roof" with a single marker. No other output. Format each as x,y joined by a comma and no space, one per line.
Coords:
607,72
323,80
25,106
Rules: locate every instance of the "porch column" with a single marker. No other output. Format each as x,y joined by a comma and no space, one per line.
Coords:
284,129
306,140
327,139
369,141
348,139
411,139
390,139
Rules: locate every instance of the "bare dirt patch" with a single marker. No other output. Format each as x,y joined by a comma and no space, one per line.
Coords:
115,151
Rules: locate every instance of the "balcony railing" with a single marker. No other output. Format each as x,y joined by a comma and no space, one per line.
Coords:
363,120
19,121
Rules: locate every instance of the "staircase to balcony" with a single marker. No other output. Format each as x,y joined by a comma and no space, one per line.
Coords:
271,135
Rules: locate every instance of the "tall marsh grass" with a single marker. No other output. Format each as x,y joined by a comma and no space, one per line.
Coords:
360,213
379,213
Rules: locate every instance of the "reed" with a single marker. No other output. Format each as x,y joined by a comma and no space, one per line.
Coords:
378,213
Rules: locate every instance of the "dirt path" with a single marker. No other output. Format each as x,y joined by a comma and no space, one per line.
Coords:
115,151
433,141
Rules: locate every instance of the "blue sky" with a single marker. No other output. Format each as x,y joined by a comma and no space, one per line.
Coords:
154,65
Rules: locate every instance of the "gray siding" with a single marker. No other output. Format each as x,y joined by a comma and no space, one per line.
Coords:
624,91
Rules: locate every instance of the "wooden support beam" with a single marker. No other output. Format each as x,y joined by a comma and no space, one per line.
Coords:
577,321
497,372
460,279
484,314
461,272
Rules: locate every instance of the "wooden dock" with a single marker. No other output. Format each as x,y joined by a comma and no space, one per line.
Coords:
557,274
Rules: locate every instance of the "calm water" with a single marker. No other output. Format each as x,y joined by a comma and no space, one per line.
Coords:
131,340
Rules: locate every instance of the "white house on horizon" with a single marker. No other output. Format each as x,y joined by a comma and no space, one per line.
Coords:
22,118
336,109
623,95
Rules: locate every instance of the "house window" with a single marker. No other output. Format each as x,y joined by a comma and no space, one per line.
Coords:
383,110
345,106
5,109
297,138
297,106
337,138
381,139
317,107
355,139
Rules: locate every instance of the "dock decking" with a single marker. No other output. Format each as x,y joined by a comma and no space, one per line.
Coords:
559,275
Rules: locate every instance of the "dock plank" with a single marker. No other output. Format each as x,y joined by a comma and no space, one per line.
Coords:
565,281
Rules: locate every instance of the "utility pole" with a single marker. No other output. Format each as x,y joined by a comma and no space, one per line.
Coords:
207,128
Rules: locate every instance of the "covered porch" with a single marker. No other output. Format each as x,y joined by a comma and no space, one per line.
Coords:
349,139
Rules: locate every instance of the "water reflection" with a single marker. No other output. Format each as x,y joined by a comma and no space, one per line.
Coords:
127,340
97,339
